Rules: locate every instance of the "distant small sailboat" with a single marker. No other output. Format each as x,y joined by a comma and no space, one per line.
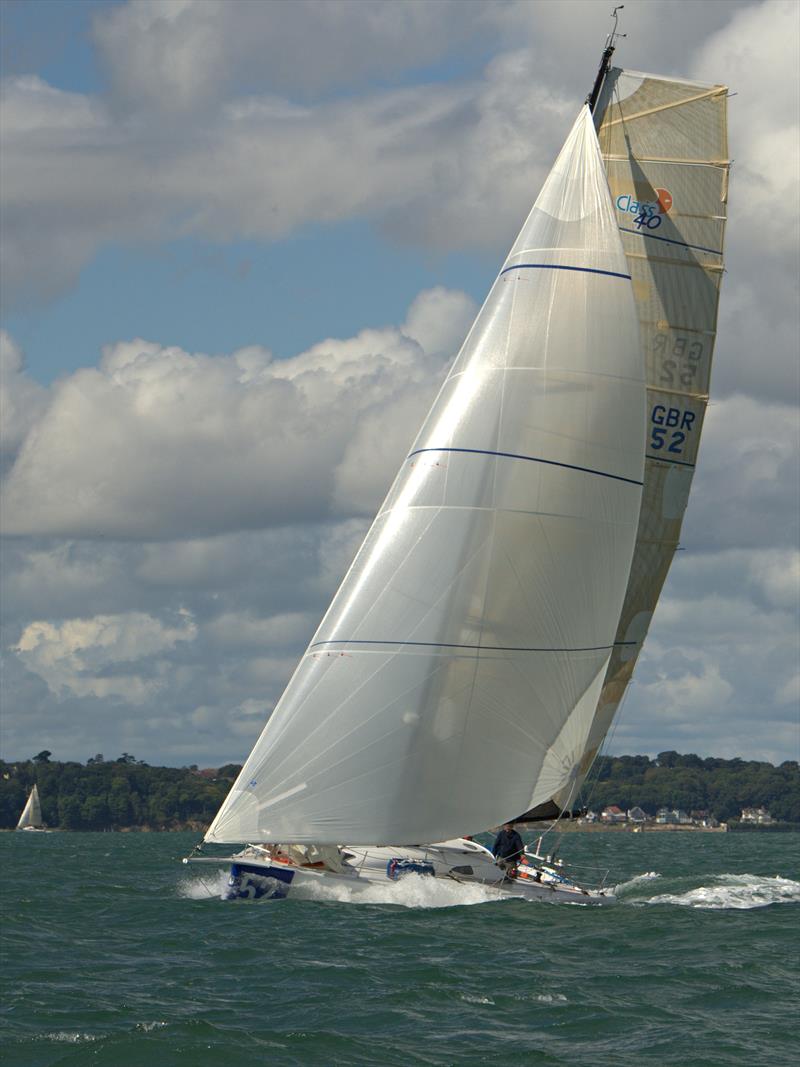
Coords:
31,817
474,656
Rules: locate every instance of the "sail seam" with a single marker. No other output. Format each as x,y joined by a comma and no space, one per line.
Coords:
678,392
682,264
477,648
562,266
675,325
665,459
530,459
671,241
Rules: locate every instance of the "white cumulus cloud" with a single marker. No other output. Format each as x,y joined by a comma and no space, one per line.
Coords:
83,657
157,442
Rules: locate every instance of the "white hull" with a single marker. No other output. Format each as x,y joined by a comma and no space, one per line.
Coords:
255,875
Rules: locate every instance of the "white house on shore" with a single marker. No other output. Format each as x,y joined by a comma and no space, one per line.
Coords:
760,816
675,817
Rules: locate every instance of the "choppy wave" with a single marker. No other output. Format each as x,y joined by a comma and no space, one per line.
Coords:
637,880
741,891
164,972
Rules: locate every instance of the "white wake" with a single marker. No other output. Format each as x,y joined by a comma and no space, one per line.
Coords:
741,891
410,891
637,880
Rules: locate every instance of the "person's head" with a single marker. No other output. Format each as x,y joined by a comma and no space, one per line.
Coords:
508,826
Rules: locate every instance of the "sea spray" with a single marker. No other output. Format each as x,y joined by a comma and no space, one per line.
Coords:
204,886
411,891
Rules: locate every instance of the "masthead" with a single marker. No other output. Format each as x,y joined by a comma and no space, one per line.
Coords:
608,52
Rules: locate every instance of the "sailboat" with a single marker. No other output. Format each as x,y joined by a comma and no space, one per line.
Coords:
31,817
474,656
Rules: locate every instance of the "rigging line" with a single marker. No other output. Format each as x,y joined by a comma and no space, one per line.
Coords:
561,266
671,241
530,459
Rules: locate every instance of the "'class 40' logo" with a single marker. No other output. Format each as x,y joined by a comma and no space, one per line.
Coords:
648,214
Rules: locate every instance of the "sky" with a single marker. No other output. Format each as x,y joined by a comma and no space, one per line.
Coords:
241,243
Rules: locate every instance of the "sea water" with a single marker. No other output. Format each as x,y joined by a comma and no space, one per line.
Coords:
116,954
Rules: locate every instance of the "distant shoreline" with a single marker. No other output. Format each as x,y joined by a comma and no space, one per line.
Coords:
128,796
567,826
572,826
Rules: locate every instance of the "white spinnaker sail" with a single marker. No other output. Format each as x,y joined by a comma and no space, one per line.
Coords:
32,812
462,657
665,148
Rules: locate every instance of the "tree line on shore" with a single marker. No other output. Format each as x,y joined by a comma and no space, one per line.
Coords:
126,793
721,787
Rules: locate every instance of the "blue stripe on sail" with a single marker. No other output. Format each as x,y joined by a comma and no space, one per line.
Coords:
530,459
669,459
671,241
478,648
560,266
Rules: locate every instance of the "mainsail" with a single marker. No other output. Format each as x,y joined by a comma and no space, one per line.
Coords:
665,148
455,676
32,812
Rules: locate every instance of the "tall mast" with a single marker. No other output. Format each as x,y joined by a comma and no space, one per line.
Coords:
605,62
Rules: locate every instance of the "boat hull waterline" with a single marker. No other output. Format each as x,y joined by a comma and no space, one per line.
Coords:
255,875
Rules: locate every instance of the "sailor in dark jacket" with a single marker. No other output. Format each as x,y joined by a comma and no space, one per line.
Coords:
508,848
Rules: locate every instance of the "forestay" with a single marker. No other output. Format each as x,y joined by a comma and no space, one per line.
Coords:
453,681
664,144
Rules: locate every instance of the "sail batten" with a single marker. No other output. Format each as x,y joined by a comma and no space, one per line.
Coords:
455,674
